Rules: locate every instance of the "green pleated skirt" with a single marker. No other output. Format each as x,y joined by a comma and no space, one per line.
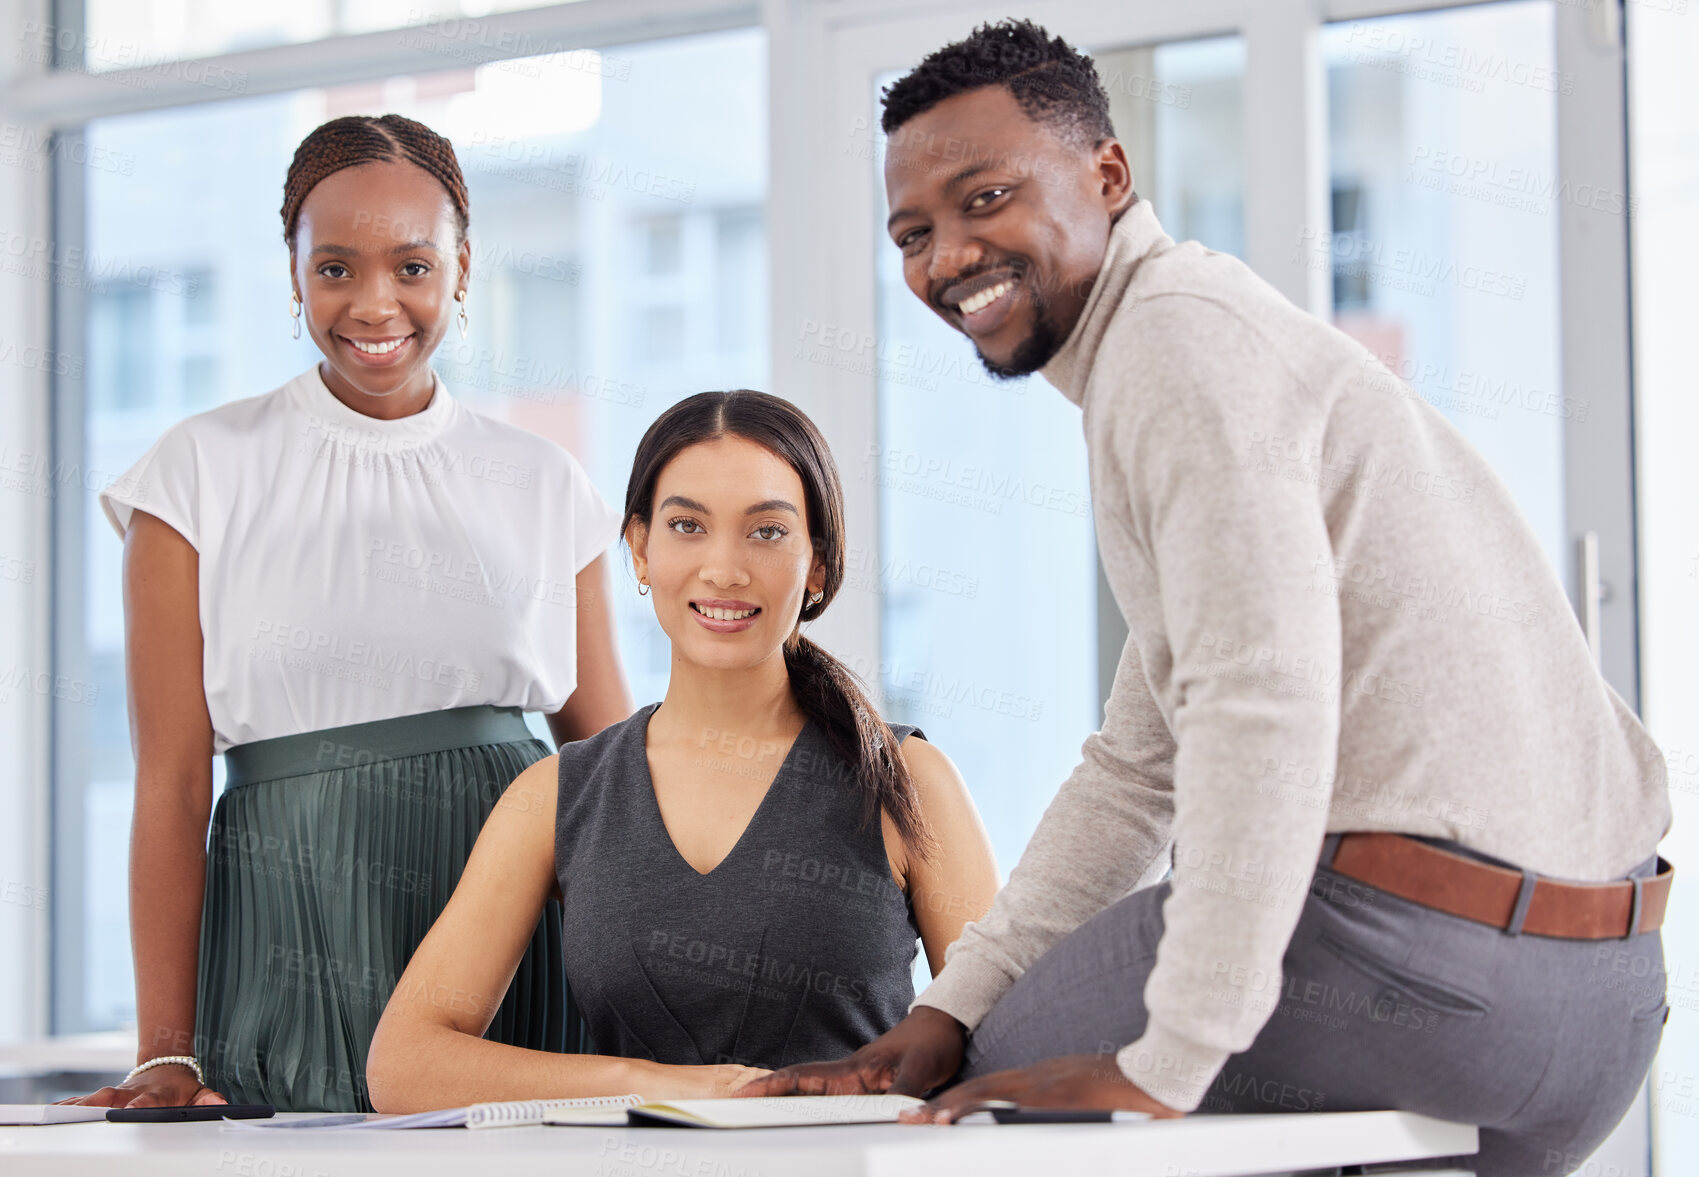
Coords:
330,855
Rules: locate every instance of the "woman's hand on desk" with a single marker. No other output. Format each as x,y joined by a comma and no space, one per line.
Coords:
167,1086
1081,1081
720,1081
654,1080
919,1053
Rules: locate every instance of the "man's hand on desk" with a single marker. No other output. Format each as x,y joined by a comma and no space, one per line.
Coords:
1080,1081
918,1054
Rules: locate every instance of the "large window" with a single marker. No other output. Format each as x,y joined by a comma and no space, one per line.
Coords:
619,263
1442,143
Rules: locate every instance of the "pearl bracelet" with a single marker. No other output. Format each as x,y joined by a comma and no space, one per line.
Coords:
182,1060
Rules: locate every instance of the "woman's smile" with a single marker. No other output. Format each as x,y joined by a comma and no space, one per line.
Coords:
724,616
380,352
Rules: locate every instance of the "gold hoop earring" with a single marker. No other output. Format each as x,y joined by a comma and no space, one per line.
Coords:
642,588
461,299
816,598
295,312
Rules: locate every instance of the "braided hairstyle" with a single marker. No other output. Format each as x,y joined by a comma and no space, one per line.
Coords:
362,138
825,689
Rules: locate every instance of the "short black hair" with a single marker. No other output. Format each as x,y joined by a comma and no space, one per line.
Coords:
1053,82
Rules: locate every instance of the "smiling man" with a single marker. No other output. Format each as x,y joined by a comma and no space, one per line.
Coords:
1412,830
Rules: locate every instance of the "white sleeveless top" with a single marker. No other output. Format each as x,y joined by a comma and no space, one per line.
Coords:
354,569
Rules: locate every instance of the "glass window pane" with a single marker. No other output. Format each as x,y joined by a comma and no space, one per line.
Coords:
662,334
120,369
1442,137
561,195
985,508
1176,108
740,269
663,245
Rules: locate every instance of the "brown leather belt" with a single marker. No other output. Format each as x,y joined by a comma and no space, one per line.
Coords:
1493,895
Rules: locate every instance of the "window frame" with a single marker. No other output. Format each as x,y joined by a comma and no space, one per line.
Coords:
26,525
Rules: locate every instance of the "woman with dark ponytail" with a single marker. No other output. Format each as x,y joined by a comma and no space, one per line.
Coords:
351,587
745,867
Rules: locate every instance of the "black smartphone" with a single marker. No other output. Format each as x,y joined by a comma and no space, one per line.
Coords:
1019,1115
200,1111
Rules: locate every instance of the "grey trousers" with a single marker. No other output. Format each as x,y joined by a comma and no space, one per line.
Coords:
1384,1004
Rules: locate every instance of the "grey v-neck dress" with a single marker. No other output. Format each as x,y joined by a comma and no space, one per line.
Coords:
798,946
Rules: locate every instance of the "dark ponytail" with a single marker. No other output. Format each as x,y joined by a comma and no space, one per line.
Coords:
827,691
831,694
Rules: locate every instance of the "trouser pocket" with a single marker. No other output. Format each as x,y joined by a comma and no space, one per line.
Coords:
1400,984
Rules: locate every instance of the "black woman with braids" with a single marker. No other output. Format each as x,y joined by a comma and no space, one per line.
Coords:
351,588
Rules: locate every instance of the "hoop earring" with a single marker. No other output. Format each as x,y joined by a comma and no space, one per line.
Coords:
295,312
642,588
461,299
816,598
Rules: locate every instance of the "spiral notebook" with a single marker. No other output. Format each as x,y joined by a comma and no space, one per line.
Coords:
519,1113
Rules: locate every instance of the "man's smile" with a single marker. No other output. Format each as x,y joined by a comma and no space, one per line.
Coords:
981,304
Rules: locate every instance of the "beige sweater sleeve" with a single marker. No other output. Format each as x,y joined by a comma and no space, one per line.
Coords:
1233,548
1256,662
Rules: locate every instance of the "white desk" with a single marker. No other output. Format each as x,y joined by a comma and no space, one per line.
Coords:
1196,1146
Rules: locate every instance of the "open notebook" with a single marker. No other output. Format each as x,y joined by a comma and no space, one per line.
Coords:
790,1111
519,1113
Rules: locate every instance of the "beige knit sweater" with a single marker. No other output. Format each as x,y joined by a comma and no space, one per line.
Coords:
1339,621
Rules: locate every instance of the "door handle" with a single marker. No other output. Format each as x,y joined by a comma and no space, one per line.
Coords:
1592,590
